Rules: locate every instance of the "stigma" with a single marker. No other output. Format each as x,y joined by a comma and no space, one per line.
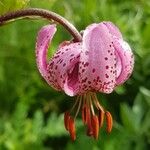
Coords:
92,113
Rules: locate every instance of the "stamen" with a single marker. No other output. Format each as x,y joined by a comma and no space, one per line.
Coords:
77,100
79,106
95,126
89,125
94,122
109,121
101,118
66,120
97,102
84,110
84,114
91,105
72,129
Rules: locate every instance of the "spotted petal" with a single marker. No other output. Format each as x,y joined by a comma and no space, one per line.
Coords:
114,31
124,55
125,61
44,37
97,67
63,68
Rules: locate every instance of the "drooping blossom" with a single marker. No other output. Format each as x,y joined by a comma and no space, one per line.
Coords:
102,61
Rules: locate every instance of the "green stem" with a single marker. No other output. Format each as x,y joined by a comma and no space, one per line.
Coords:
44,14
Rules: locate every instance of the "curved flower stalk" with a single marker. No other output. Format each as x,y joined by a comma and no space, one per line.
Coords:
102,61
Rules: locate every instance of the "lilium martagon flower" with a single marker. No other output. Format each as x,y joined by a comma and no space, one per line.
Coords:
99,63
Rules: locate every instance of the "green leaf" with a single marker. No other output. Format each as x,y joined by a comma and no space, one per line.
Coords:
55,126
38,125
11,5
120,90
146,94
128,118
145,127
19,115
139,107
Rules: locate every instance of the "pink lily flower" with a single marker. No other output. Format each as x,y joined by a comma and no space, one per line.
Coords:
102,61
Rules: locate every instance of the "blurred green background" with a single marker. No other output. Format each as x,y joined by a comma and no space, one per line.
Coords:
31,112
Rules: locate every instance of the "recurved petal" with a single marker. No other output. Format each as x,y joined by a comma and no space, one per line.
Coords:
44,37
113,29
97,67
125,61
63,68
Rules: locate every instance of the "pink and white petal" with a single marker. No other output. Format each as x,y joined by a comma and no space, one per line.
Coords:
113,29
97,61
63,68
125,61
44,37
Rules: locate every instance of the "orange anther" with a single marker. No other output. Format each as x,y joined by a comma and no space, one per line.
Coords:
72,129
101,118
109,121
66,120
89,128
95,126
89,125
85,114
89,131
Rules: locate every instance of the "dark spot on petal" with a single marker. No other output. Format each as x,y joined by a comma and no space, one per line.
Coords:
83,70
56,67
61,61
72,55
86,53
106,58
93,70
86,64
71,59
89,82
58,52
107,67
56,56
106,75
84,80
